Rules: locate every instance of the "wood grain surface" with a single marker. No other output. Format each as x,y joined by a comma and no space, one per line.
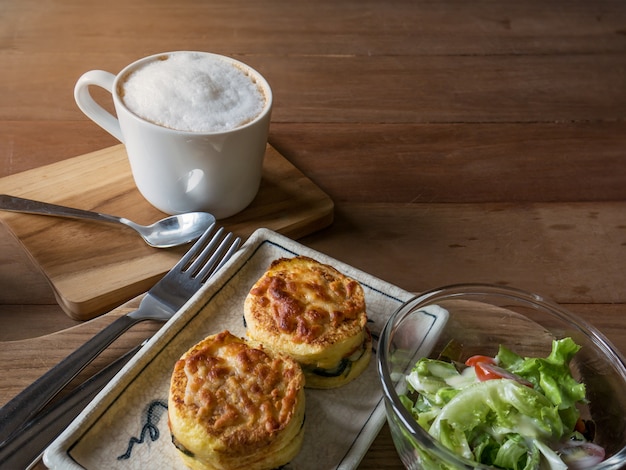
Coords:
93,267
459,141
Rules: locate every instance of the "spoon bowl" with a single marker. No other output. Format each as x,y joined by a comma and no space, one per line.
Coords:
174,230
171,231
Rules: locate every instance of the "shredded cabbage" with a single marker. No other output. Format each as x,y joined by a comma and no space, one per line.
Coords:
502,422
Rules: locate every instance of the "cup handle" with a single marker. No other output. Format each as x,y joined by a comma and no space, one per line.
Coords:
88,105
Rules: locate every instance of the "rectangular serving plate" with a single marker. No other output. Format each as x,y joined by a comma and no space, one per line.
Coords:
125,427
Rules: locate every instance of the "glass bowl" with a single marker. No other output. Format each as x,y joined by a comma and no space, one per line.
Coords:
479,319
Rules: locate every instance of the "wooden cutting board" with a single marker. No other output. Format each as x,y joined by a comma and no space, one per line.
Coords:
94,267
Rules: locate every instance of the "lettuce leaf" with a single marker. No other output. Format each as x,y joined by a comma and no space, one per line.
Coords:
499,409
551,375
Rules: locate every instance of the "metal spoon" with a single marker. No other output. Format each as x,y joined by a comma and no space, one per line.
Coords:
165,233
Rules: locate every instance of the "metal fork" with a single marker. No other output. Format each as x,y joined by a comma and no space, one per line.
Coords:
204,258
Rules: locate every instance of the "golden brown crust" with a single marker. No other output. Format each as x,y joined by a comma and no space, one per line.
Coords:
308,310
311,302
229,401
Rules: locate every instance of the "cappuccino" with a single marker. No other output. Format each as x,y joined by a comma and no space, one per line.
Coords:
192,92
194,125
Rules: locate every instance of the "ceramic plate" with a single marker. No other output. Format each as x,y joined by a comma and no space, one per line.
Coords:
125,427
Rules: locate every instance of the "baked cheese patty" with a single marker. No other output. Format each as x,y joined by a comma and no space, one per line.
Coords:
235,406
315,314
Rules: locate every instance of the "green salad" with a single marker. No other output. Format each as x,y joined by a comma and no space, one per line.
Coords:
506,411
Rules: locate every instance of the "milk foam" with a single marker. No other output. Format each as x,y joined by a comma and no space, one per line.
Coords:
193,92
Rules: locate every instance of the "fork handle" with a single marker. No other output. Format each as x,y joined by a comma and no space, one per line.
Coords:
34,397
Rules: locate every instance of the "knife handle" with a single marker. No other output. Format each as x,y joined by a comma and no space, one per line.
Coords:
33,398
27,445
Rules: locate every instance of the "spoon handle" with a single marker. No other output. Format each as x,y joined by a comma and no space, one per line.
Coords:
18,204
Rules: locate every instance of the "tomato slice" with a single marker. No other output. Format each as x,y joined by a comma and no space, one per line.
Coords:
486,368
472,361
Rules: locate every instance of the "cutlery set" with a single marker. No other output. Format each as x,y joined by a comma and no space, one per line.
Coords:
27,426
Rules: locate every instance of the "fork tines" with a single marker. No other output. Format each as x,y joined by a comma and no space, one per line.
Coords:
216,248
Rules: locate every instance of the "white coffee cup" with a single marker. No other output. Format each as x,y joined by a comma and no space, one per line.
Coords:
217,171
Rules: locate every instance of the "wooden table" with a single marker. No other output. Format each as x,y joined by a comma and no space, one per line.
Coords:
460,141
